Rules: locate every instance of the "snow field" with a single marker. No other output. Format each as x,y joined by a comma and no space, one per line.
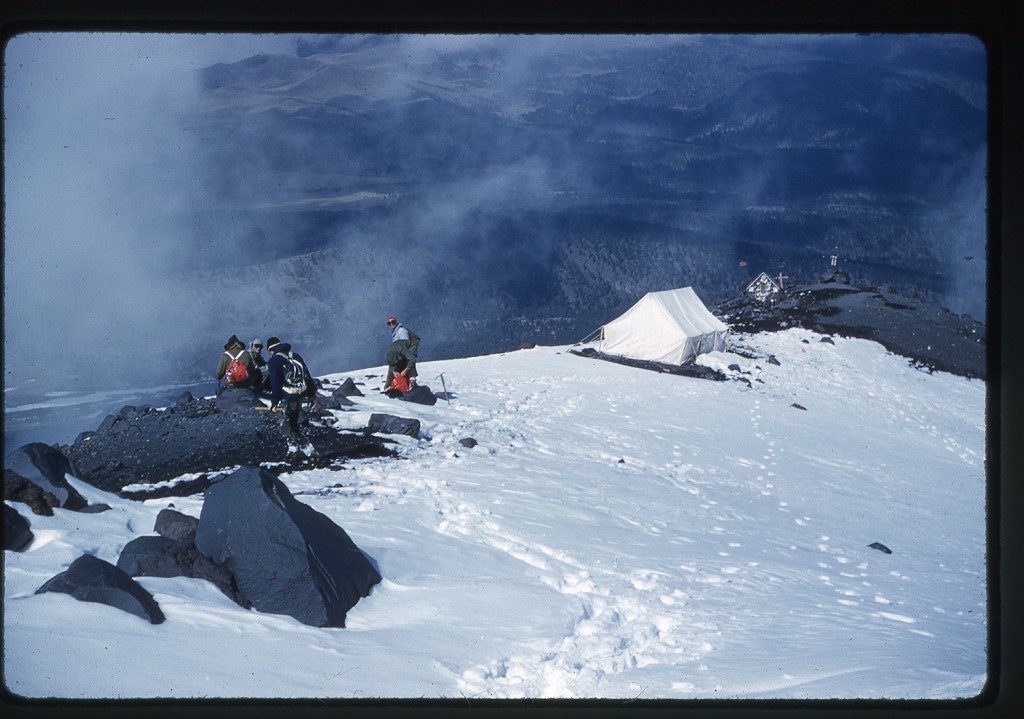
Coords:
616,533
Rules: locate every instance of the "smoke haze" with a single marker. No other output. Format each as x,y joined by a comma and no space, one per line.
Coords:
166,191
99,185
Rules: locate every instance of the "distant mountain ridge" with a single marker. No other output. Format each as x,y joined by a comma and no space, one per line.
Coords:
497,181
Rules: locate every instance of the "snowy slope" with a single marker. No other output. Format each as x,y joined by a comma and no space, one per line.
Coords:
616,533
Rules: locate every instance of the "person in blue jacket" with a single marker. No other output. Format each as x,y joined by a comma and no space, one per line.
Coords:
287,396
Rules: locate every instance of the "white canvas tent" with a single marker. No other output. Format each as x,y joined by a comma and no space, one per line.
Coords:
671,327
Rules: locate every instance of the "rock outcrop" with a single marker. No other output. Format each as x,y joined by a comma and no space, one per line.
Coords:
931,337
151,446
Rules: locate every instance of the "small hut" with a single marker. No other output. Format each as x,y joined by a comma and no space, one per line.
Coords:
763,289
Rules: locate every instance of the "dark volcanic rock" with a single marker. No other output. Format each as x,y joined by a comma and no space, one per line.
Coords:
165,557
202,436
347,389
468,442
46,467
90,579
176,525
335,402
339,399
933,338
235,398
286,557
390,424
17,532
19,489
420,394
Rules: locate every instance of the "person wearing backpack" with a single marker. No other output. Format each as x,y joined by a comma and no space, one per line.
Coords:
404,346
289,382
236,367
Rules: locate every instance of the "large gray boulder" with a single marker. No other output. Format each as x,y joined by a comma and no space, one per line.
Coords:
286,558
90,579
46,467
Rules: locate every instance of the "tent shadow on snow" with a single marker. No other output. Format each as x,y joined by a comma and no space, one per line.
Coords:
664,330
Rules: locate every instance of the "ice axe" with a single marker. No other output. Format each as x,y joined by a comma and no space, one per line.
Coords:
445,389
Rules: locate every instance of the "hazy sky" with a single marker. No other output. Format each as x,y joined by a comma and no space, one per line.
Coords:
95,173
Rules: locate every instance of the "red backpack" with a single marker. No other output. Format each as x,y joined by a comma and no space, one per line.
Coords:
237,372
400,382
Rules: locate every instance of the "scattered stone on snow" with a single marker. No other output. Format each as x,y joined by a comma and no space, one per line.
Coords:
420,394
17,530
390,424
348,389
468,442
90,579
176,525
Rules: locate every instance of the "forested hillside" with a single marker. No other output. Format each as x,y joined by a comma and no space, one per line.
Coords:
496,192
